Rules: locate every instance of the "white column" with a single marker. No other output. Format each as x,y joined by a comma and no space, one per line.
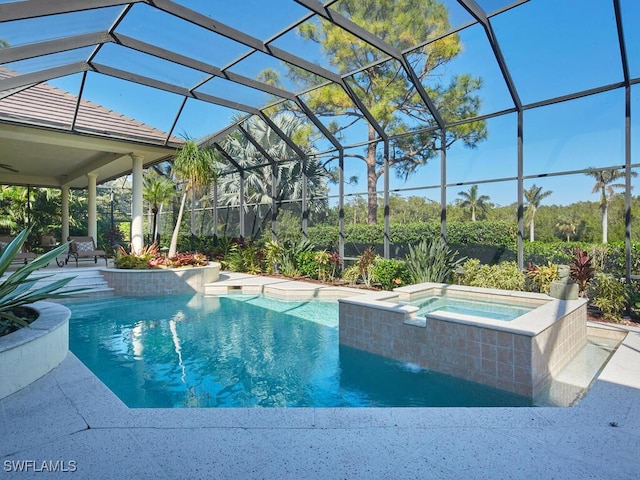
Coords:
92,226
65,213
137,213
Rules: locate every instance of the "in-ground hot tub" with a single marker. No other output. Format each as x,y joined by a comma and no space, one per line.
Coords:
520,354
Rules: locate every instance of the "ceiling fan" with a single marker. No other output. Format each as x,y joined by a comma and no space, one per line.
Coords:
8,167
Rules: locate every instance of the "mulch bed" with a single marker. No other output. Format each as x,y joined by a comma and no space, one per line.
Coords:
594,315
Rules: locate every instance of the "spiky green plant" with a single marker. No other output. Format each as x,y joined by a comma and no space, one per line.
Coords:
19,288
431,261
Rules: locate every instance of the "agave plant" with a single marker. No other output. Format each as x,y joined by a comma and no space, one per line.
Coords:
19,288
431,261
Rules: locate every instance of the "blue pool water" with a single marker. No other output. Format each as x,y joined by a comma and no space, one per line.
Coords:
249,351
476,308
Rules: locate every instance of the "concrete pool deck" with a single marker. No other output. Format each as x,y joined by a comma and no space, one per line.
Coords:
70,420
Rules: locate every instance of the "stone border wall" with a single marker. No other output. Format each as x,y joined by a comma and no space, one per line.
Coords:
132,283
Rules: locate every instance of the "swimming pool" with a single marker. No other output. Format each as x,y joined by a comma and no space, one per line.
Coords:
249,351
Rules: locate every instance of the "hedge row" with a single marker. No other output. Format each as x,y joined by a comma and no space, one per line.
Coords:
489,242
501,234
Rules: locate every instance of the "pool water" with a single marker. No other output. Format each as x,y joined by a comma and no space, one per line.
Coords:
249,351
476,308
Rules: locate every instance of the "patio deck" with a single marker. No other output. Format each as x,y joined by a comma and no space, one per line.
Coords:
70,416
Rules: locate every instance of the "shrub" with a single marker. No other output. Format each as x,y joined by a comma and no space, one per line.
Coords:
131,262
351,274
244,258
273,252
390,273
136,260
307,264
504,276
542,276
540,253
610,295
291,251
324,260
431,261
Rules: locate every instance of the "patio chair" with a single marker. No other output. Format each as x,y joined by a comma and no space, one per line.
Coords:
22,255
84,247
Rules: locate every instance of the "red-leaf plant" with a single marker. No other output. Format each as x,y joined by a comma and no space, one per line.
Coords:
582,269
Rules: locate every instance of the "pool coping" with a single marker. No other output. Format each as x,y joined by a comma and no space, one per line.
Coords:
70,415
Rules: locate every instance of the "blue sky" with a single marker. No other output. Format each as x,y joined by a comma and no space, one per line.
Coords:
552,48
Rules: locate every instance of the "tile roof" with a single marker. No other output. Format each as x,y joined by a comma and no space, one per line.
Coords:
45,105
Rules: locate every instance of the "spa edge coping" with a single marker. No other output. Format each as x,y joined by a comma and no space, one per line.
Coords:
530,324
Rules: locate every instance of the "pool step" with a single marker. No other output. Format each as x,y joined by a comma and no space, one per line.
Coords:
89,279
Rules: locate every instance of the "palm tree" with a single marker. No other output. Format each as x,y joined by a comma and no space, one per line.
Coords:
534,196
567,227
473,202
605,185
288,174
195,166
157,190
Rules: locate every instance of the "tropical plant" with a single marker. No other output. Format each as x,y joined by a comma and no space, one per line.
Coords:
323,259
610,295
605,185
195,166
533,196
431,261
150,257
390,273
474,203
136,259
157,190
223,250
307,265
291,253
365,265
351,274
541,276
385,88
20,288
581,269
504,275
273,253
244,257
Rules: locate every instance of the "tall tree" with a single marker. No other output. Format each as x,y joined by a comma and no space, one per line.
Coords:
157,190
196,168
534,197
473,202
385,88
567,227
605,185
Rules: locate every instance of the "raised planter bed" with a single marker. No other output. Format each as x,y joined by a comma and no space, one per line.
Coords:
133,283
31,352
